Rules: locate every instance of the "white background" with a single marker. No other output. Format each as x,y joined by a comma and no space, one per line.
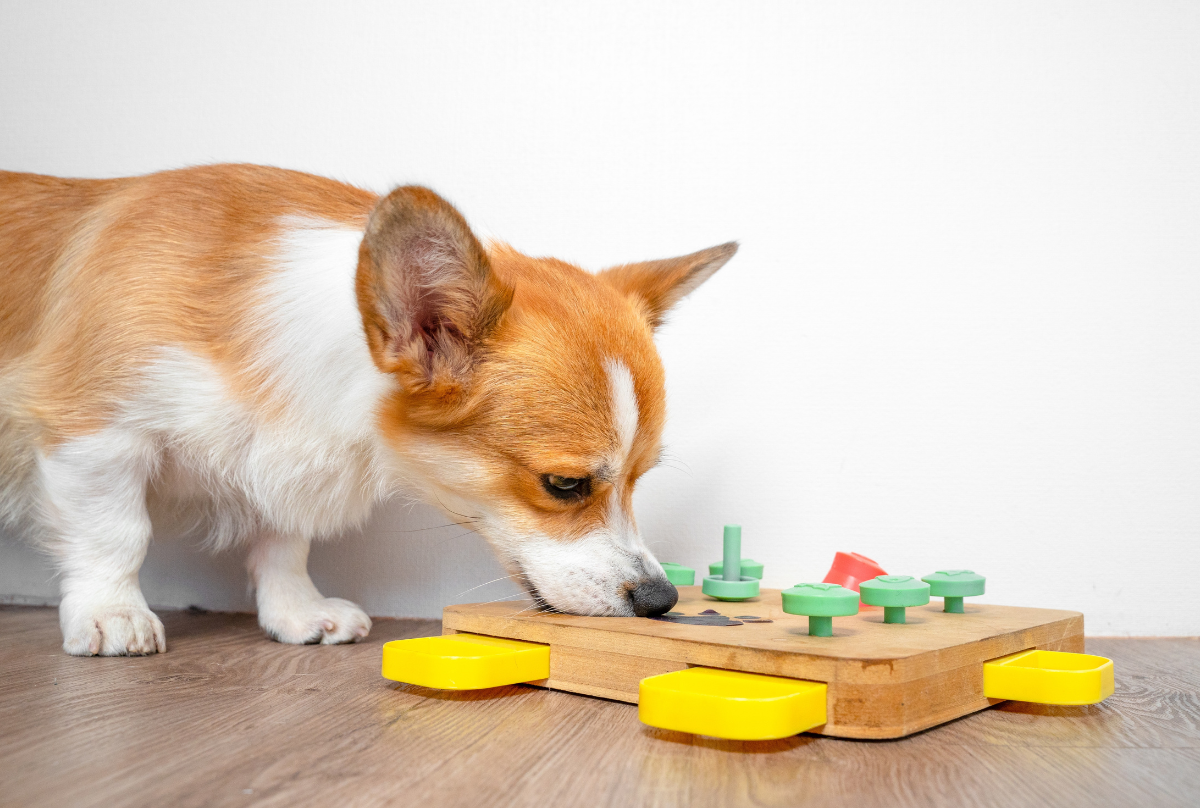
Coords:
962,329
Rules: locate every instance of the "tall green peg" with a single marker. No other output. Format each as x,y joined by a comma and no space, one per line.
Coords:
731,584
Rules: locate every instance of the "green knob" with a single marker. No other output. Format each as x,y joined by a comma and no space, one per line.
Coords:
749,567
954,585
731,584
821,603
679,574
894,593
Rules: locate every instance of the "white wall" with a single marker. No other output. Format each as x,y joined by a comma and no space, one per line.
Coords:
962,329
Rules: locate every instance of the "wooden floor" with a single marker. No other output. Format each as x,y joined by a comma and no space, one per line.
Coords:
227,717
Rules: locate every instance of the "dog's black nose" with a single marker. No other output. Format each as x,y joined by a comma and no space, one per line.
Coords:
653,597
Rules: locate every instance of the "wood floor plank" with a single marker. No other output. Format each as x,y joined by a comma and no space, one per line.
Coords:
227,717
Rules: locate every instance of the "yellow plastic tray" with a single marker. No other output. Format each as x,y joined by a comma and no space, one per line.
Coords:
1049,677
731,704
465,661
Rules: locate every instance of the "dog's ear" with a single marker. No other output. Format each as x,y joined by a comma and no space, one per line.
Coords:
427,293
656,286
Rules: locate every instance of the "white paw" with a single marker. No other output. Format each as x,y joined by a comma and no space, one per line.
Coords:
327,621
110,630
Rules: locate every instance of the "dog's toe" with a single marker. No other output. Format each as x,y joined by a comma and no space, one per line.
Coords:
113,631
327,621
345,622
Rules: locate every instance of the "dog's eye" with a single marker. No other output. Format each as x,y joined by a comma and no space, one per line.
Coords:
566,487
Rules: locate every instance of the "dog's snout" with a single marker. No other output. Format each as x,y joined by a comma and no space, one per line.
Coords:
653,597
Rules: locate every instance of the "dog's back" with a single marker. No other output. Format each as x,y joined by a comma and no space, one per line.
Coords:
102,276
38,216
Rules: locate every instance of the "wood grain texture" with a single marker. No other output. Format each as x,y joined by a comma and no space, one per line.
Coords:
885,681
228,718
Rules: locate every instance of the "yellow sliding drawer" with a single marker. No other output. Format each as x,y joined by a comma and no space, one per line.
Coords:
465,661
731,704
1049,677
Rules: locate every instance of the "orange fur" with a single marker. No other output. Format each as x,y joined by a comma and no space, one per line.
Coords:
102,272
546,359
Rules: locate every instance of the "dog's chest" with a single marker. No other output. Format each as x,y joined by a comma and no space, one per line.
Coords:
275,479
303,454
304,466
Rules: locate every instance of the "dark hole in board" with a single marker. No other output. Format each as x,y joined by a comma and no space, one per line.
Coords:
698,619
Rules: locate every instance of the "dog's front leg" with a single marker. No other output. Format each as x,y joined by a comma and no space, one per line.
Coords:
95,514
290,609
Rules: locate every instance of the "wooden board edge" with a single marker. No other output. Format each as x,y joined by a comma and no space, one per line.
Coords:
588,690
770,662
1072,643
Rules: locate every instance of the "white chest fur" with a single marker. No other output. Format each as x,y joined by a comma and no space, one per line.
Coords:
311,463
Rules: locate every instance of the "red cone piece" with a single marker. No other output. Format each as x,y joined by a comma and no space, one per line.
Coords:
849,569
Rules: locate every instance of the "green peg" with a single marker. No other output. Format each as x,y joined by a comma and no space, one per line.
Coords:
894,593
679,574
821,603
731,584
953,586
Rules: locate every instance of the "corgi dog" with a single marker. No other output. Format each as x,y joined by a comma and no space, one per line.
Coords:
283,351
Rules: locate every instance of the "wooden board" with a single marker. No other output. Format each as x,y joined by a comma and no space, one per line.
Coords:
885,681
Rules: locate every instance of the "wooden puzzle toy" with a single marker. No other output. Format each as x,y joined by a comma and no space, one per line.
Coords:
806,659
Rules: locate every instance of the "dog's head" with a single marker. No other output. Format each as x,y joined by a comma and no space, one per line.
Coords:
530,396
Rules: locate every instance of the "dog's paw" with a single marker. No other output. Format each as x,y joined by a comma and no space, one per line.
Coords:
327,621
111,630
